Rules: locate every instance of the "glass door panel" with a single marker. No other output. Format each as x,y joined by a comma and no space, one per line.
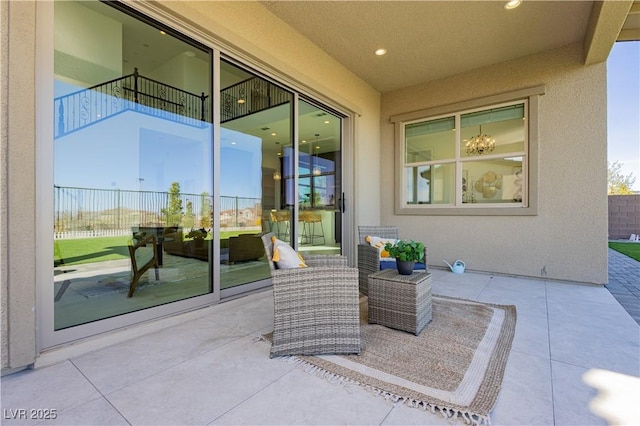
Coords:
320,180
132,165
255,160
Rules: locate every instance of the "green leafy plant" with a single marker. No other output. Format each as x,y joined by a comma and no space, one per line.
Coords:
197,234
406,250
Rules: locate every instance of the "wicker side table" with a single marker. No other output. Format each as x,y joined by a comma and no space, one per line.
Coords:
399,301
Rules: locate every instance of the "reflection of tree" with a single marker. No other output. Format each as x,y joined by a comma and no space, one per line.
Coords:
189,217
173,212
206,210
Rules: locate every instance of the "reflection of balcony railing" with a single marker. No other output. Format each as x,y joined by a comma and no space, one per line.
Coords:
132,92
250,96
86,212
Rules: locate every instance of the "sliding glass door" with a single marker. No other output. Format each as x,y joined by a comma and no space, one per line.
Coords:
144,226
132,165
261,189
319,180
255,148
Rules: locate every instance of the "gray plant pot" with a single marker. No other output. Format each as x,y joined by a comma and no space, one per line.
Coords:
405,267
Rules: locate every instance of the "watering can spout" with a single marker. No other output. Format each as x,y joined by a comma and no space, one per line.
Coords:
457,267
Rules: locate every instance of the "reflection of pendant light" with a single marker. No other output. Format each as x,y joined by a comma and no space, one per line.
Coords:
316,167
276,174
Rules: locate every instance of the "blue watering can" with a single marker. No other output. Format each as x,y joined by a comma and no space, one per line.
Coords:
457,267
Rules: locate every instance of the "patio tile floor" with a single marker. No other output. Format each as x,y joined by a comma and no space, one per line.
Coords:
575,360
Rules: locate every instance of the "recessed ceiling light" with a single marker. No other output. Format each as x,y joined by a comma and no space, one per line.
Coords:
512,4
273,134
162,32
380,51
190,53
327,122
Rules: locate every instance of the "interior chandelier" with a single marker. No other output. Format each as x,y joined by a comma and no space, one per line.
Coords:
480,144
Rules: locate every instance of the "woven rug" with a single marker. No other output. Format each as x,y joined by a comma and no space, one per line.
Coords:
454,367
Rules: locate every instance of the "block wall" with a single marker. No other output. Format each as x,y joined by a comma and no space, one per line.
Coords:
624,216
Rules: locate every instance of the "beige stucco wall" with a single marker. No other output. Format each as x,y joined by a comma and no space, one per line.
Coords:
240,26
567,239
4,43
17,212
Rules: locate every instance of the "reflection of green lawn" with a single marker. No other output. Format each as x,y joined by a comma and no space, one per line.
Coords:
88,250
630,249
100,249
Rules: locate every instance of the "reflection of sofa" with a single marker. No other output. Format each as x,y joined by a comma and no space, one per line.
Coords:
245,247
174,245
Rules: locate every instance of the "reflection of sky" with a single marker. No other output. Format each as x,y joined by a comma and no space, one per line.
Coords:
134,151
240,164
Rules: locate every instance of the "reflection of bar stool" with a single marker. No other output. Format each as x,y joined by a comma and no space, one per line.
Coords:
280,219
309,221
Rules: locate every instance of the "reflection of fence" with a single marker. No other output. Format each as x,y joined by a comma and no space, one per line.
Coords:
86,212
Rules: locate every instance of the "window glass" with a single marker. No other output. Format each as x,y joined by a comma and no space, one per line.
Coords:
484,163
430,140
132,164
492,181
433,184
495,131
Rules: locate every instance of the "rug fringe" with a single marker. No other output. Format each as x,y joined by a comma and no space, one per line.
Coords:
260,338
450,414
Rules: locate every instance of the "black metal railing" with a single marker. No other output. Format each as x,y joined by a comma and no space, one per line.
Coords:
132,92
82,212
250,96
135,92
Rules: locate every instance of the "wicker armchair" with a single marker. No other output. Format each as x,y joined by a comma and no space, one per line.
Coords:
368,256
316,309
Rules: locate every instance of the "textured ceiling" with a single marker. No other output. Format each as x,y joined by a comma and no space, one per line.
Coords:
428,40
631,28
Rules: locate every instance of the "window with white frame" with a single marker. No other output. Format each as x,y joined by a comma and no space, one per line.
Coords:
471,161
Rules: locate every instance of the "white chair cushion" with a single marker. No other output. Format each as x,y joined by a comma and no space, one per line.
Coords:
285,257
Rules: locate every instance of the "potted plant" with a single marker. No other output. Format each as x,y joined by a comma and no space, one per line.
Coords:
198,236
406,253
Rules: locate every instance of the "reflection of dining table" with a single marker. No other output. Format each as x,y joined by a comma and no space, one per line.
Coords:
158,231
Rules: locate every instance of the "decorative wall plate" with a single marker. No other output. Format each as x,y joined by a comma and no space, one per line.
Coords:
489,177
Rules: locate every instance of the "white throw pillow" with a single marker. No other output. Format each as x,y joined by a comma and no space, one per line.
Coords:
285,256
379,243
